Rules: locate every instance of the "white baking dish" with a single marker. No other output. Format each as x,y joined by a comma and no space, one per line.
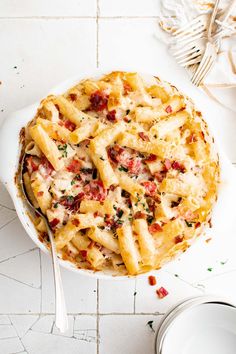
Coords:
9,159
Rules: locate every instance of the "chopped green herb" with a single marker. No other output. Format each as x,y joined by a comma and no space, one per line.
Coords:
189,224
15,67
176,275
122,168
155,136
55,205
128,110
72,182
120,222
223,263
94,174
63,191
102,158
114,207
120,213
209,269
150,324
63,148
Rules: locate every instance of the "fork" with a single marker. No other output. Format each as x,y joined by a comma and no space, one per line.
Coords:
188,43
61,320
210,54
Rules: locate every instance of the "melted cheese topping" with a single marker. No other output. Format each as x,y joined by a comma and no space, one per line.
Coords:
162,159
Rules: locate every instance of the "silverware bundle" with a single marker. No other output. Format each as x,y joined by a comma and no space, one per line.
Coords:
197,44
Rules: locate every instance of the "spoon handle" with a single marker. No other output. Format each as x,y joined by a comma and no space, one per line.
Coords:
61,320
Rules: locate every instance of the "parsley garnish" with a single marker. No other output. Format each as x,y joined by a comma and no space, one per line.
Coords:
55,205
102,158
120,213
188,223
150,324
122,168
72,182
128,110
209,269
63,148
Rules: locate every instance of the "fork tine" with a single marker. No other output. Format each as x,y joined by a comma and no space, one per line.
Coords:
188,25
192,55
200,68
191,60
206,71
186,41
185,53
201,73
191,34
190,30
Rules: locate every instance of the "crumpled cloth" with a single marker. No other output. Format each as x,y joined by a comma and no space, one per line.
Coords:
220,83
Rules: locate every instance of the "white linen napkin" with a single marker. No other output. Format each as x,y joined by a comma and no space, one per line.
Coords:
220,84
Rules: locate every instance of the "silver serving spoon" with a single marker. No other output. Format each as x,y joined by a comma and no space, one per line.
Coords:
61,320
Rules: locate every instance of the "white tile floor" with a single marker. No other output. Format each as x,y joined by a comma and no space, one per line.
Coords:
45,42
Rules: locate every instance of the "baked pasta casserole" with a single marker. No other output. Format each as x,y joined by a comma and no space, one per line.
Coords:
125,171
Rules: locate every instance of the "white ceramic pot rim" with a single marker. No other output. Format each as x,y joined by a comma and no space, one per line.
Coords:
10,151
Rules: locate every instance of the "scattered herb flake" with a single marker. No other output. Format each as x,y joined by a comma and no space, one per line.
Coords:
150,324
122,168
224,262
72,182
55,205
189,224
176,275
102,158
63,148
210,269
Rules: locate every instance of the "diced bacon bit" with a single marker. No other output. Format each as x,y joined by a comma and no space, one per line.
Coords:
140,215
159,176
75,222
111,116
150,187
54,223
134,166
74,166
92,243
31,165
167,165
155,228
114,152
83,253
95,190
152,280
73,96
40,194
143,136
168,109
161,292
96,214
127,88
127,119
197,225
178,239
178,166
192,138
208,240
98,101
47,165
69,125
151,158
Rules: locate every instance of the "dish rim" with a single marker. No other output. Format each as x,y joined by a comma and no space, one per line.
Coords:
10,152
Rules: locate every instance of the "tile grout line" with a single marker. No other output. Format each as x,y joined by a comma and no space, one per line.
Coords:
85,314
97,318
41,281
74,17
